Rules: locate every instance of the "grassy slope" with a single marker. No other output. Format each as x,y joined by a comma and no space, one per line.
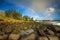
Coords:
6,19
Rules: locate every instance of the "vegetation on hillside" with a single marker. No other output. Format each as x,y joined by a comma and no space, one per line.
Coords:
11,13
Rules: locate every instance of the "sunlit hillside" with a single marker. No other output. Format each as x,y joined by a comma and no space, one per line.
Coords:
6,19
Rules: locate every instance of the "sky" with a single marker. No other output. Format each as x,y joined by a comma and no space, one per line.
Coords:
38,9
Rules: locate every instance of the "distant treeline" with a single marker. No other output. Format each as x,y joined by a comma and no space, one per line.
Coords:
12,13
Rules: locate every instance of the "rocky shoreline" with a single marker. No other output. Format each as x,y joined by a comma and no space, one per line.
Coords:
12,31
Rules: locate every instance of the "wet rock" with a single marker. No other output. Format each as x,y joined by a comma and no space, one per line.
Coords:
29,37
53,38
14,36
50,37
3,37
43,38
50,32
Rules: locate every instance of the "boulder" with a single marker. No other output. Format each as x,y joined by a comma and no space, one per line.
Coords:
50,32
14,36
3,37
53,38
43,38
29,37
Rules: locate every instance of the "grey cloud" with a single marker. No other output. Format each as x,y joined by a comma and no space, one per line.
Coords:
36,5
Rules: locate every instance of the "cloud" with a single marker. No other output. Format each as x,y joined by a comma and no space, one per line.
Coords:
36,17
36,5
51,9
30,12
49,12
19,2
39,5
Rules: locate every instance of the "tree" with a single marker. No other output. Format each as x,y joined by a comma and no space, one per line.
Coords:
13,14
8,13
17,15
26,18
31,19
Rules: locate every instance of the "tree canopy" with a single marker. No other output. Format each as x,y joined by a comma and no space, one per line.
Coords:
17,15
